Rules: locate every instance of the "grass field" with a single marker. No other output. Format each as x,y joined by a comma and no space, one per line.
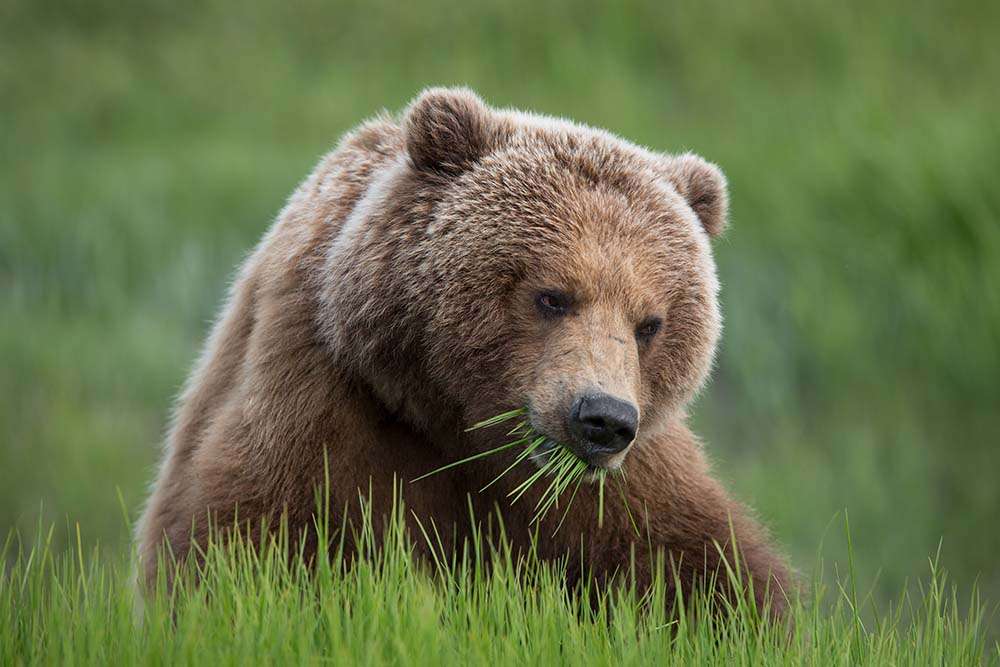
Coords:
481,607
147,146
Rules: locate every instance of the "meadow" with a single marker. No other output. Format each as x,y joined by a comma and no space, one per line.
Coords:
148,145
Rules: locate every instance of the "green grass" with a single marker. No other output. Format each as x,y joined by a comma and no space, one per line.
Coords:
257,607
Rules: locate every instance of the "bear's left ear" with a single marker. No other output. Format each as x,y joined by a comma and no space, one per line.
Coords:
702,185
447,130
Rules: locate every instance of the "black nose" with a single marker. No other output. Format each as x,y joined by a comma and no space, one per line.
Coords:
602,423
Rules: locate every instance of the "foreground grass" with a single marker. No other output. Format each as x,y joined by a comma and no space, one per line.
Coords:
73,607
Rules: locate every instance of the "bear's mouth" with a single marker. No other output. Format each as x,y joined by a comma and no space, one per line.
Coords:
559,471
544,453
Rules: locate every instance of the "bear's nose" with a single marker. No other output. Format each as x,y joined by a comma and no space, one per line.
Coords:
602,423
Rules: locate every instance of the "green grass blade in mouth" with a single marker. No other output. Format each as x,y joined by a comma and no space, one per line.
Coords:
521,488
535,444
579,481
498,419
522,429
600,501
628,510
571,469
492,421
558,473
468,459
562,466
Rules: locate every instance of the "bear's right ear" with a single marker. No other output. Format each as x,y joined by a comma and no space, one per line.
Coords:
447,130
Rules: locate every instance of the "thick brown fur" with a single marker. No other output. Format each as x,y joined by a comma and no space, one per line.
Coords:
392,305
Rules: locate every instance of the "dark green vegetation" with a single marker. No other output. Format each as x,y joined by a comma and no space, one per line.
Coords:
147,145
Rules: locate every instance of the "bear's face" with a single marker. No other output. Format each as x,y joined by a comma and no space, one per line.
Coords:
562,270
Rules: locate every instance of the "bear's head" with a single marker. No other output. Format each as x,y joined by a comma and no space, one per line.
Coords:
510,260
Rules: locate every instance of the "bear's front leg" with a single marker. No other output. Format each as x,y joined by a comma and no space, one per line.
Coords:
709,541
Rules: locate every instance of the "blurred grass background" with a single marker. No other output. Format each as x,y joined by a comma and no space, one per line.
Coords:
147,145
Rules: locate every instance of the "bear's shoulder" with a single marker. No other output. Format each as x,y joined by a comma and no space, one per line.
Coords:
371,144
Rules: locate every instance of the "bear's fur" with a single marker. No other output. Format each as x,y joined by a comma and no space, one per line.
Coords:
393,304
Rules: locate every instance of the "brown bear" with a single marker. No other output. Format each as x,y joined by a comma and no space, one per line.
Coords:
452,265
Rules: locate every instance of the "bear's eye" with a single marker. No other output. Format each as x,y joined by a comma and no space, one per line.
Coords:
648,328
553,304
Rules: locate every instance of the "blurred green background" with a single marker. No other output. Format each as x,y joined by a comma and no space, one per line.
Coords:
147,145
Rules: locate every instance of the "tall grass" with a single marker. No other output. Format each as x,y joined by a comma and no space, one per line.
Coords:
482,605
